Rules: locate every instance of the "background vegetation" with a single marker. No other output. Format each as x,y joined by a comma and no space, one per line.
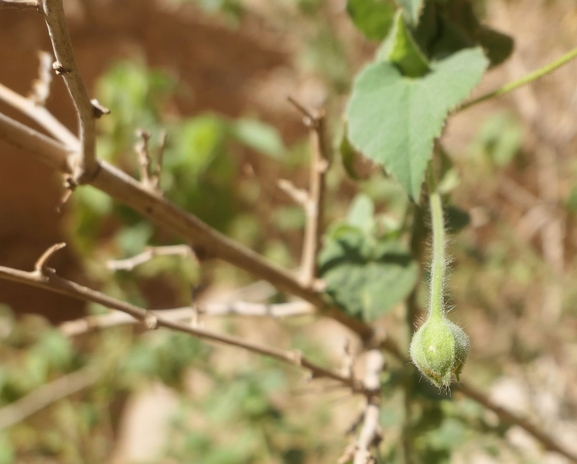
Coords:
215,76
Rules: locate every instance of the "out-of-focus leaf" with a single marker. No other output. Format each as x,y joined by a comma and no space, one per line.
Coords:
500,138
365,278
361,213
372,17
348,156
259,136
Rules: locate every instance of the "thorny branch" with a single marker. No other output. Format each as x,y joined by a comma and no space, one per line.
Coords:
85,164
127,190
153,320
241,308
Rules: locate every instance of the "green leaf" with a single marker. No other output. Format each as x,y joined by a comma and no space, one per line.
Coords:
366,278
372,17
403,51
412,9
394,120
259,136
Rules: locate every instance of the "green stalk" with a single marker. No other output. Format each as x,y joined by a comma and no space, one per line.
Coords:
438,261
532,76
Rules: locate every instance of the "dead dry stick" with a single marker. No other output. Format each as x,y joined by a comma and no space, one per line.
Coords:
40,115
45,396
153,206
240,308
149,253
313,202
52,282
370,434
19,4
85,164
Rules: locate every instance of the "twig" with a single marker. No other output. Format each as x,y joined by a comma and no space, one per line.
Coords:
46,395
319,165
85,164
40,267
299,196
150,252
41,86
370,434
150,170
241,308
20,4
40,115
52,282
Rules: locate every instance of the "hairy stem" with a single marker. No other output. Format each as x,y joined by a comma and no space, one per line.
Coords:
438,261
532,76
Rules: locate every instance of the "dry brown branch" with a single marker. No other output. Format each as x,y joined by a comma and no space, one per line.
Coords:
41,86
370,434
299,196
46,395
319,165
150,169
85,164
241,308
41,265
20,4
127,190
52,282
40,115
129,264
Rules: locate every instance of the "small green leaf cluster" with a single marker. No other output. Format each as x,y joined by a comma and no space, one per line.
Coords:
366,273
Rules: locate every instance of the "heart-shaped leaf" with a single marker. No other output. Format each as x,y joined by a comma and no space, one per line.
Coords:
394,119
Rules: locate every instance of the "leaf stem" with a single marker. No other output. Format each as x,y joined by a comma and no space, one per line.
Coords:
532,76
438,261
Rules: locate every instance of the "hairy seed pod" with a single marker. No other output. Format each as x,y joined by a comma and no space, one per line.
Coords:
439,349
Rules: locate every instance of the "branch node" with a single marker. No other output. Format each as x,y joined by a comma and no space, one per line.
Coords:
41,265
60,69
151,321
98,108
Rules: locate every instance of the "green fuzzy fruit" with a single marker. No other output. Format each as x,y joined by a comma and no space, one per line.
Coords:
439,349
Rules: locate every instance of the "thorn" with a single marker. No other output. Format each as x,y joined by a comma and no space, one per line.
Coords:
59,68
40,266
98,109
